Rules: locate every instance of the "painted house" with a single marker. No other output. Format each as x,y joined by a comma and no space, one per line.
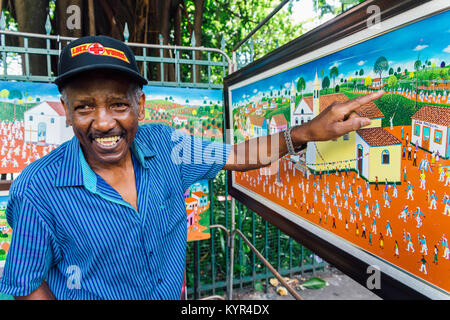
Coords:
379,155
191,203
45,123
257,126
430,127
273,105
278,123
303,112
201,197
377,82
180,120
191,218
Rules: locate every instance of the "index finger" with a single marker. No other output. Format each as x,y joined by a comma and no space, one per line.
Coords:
357,102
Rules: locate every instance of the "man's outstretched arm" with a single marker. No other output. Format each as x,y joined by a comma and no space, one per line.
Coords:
41,293
335,121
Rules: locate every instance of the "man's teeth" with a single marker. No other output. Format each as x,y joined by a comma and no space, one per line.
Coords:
109,141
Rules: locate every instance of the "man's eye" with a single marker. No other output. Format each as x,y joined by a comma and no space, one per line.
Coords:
83,108
120,106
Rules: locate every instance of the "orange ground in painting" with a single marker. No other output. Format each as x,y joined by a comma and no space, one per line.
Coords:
197,234
435,225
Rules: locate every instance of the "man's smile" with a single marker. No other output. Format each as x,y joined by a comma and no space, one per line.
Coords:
108,141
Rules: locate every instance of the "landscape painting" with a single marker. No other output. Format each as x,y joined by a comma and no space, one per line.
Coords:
384,189
32,124
6,231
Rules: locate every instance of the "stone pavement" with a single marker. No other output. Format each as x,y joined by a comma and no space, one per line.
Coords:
340,287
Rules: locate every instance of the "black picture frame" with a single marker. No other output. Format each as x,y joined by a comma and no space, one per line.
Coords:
341,27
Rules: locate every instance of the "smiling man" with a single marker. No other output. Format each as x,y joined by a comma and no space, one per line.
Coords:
103,215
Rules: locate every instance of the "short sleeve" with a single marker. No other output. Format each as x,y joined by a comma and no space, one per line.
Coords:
30,253
198,159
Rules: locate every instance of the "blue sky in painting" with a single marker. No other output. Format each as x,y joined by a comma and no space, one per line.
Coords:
44,91
49,92
426,39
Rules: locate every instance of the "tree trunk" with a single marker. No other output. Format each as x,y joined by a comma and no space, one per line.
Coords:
31,16
91,10
198,19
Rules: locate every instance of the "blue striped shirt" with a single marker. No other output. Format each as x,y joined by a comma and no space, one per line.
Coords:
73,230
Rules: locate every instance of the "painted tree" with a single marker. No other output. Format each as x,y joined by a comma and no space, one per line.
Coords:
368,81
392,83
301,85
326,83
334,72
4,94
417,65
380,66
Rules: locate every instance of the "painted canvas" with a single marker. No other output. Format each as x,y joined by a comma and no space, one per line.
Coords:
6,231
198,112
384,189
32,124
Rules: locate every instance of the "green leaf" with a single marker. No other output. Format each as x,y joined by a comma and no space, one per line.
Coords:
259,286
314,283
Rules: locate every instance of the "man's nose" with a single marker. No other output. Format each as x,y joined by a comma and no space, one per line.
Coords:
104,120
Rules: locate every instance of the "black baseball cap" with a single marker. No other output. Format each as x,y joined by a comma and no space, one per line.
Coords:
97,52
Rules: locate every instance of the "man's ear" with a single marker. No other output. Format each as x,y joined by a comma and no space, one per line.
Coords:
141,106
68,121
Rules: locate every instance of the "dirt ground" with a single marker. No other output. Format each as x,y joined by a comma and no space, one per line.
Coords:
340,287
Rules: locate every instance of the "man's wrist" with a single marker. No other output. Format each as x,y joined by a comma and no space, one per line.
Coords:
299,136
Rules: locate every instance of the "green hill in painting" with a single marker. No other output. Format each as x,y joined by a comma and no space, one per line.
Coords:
392,103
7,110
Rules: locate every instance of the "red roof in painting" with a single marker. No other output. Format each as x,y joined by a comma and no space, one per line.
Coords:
377,137
369,110
57,106
433,114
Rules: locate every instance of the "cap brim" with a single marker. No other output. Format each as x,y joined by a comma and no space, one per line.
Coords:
63,79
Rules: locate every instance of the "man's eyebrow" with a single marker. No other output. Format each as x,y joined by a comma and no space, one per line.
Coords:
117,98
87,100
83,101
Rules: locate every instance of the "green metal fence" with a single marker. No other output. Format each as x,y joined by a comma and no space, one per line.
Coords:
208,261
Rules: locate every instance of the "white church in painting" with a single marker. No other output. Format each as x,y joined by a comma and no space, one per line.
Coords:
45,123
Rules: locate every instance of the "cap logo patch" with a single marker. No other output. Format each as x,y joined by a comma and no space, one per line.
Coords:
99,50
96,48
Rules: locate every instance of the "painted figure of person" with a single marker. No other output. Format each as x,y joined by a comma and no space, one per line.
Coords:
396,251
388,229
423,267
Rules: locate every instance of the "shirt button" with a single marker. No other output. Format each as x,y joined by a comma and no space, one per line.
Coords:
150,253
159,281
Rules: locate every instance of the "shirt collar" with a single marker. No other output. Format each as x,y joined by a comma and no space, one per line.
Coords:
75,171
